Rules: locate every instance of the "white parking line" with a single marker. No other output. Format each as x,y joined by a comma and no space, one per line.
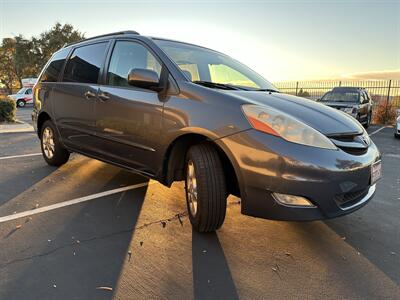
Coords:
70,202
376,131
22,155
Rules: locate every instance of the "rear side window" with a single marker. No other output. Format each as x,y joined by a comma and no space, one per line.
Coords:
84,64
127,56
54,67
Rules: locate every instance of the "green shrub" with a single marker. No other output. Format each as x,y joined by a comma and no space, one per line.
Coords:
7,110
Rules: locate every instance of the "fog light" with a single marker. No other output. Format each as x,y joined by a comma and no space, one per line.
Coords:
292,200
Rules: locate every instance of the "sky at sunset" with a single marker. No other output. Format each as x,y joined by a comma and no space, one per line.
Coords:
281,40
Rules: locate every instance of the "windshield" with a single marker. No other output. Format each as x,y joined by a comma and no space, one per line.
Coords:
21,91
341,97
203,65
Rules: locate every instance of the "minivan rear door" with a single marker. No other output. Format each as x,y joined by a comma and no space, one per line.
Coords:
76,95
128,118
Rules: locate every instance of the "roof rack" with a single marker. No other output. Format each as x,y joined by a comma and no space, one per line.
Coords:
349,87
104,35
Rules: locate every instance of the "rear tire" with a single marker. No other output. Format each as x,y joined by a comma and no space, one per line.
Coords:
21,103
53,151
205,183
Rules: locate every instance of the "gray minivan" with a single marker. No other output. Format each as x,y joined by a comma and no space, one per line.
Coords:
174,111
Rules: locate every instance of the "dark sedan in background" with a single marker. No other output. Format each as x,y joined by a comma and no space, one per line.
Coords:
352,100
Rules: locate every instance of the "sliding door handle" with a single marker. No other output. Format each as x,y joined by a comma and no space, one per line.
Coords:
103,96
89,94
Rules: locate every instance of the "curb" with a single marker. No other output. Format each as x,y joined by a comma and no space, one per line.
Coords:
16,128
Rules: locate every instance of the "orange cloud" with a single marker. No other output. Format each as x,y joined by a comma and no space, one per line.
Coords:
375,75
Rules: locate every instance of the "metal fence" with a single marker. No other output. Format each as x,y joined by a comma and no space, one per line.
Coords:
386,91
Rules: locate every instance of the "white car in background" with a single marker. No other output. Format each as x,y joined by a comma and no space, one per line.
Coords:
397,127
23,96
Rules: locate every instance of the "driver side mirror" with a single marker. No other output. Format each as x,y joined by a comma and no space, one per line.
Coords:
144,78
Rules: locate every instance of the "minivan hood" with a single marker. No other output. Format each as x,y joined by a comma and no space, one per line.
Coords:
323,118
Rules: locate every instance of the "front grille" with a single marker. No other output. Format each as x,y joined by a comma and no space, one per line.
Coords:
355,144
344,138
354,151
350,198
339,107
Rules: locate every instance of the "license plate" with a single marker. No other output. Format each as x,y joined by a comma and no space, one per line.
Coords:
376,172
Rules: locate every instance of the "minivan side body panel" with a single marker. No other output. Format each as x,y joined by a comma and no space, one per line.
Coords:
74,103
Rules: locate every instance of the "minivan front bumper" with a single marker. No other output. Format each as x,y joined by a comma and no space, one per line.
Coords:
333,181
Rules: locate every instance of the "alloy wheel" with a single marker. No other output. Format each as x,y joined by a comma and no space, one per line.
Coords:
48,142
191,185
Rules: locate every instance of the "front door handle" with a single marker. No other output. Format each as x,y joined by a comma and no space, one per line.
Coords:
89,94
103,96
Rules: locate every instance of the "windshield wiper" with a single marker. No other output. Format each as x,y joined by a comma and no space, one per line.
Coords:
267,90
217,85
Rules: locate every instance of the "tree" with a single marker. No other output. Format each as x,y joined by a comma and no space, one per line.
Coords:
20,57
23,58
302,93
52,40
7,64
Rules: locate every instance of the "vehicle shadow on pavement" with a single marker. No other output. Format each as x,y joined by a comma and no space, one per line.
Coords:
212,278
362,234
82,248
21,180
345,269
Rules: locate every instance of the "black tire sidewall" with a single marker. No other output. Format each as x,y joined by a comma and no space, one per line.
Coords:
19,103
211,195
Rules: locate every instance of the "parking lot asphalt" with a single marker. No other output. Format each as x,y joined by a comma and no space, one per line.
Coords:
138,244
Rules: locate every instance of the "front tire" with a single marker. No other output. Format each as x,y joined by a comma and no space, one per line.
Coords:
53,151
205,187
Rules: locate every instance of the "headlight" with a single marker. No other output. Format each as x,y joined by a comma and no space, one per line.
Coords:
348,110
280,124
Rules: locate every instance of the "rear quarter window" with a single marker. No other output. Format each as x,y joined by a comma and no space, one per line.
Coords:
54,66
84,63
